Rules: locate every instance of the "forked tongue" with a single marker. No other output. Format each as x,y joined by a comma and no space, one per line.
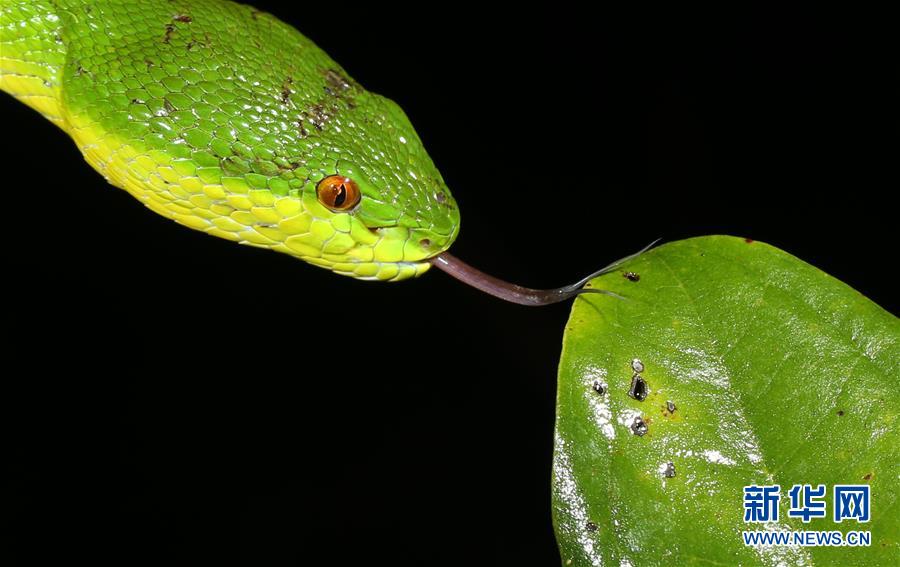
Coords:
516,293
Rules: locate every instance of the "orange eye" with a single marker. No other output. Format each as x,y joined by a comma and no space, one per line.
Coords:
338,193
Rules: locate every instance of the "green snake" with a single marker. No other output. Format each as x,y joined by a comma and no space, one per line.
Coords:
229,121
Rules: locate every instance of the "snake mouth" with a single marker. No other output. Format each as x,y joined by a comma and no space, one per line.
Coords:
520,295
377,229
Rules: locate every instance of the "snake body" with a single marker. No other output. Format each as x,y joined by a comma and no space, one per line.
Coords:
229,121
225,119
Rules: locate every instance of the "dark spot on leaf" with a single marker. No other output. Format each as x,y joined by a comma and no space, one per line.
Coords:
183,18
840,413
868,477
632,276
590,526
638,427
670,406
170,29
670,470
599,387
638,388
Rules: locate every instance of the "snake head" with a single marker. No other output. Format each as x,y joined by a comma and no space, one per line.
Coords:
377,206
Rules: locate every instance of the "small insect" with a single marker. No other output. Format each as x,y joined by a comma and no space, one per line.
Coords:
669,471
632,276
599,387
670,406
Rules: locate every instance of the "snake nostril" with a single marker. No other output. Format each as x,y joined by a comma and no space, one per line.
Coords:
425,243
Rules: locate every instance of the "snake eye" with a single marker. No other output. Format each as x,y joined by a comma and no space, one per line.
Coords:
338,193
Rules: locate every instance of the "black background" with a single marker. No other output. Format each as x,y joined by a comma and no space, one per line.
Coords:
180,400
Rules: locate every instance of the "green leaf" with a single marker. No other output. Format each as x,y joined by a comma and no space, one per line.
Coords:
779,374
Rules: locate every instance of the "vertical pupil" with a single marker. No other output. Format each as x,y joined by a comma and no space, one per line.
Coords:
340,195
